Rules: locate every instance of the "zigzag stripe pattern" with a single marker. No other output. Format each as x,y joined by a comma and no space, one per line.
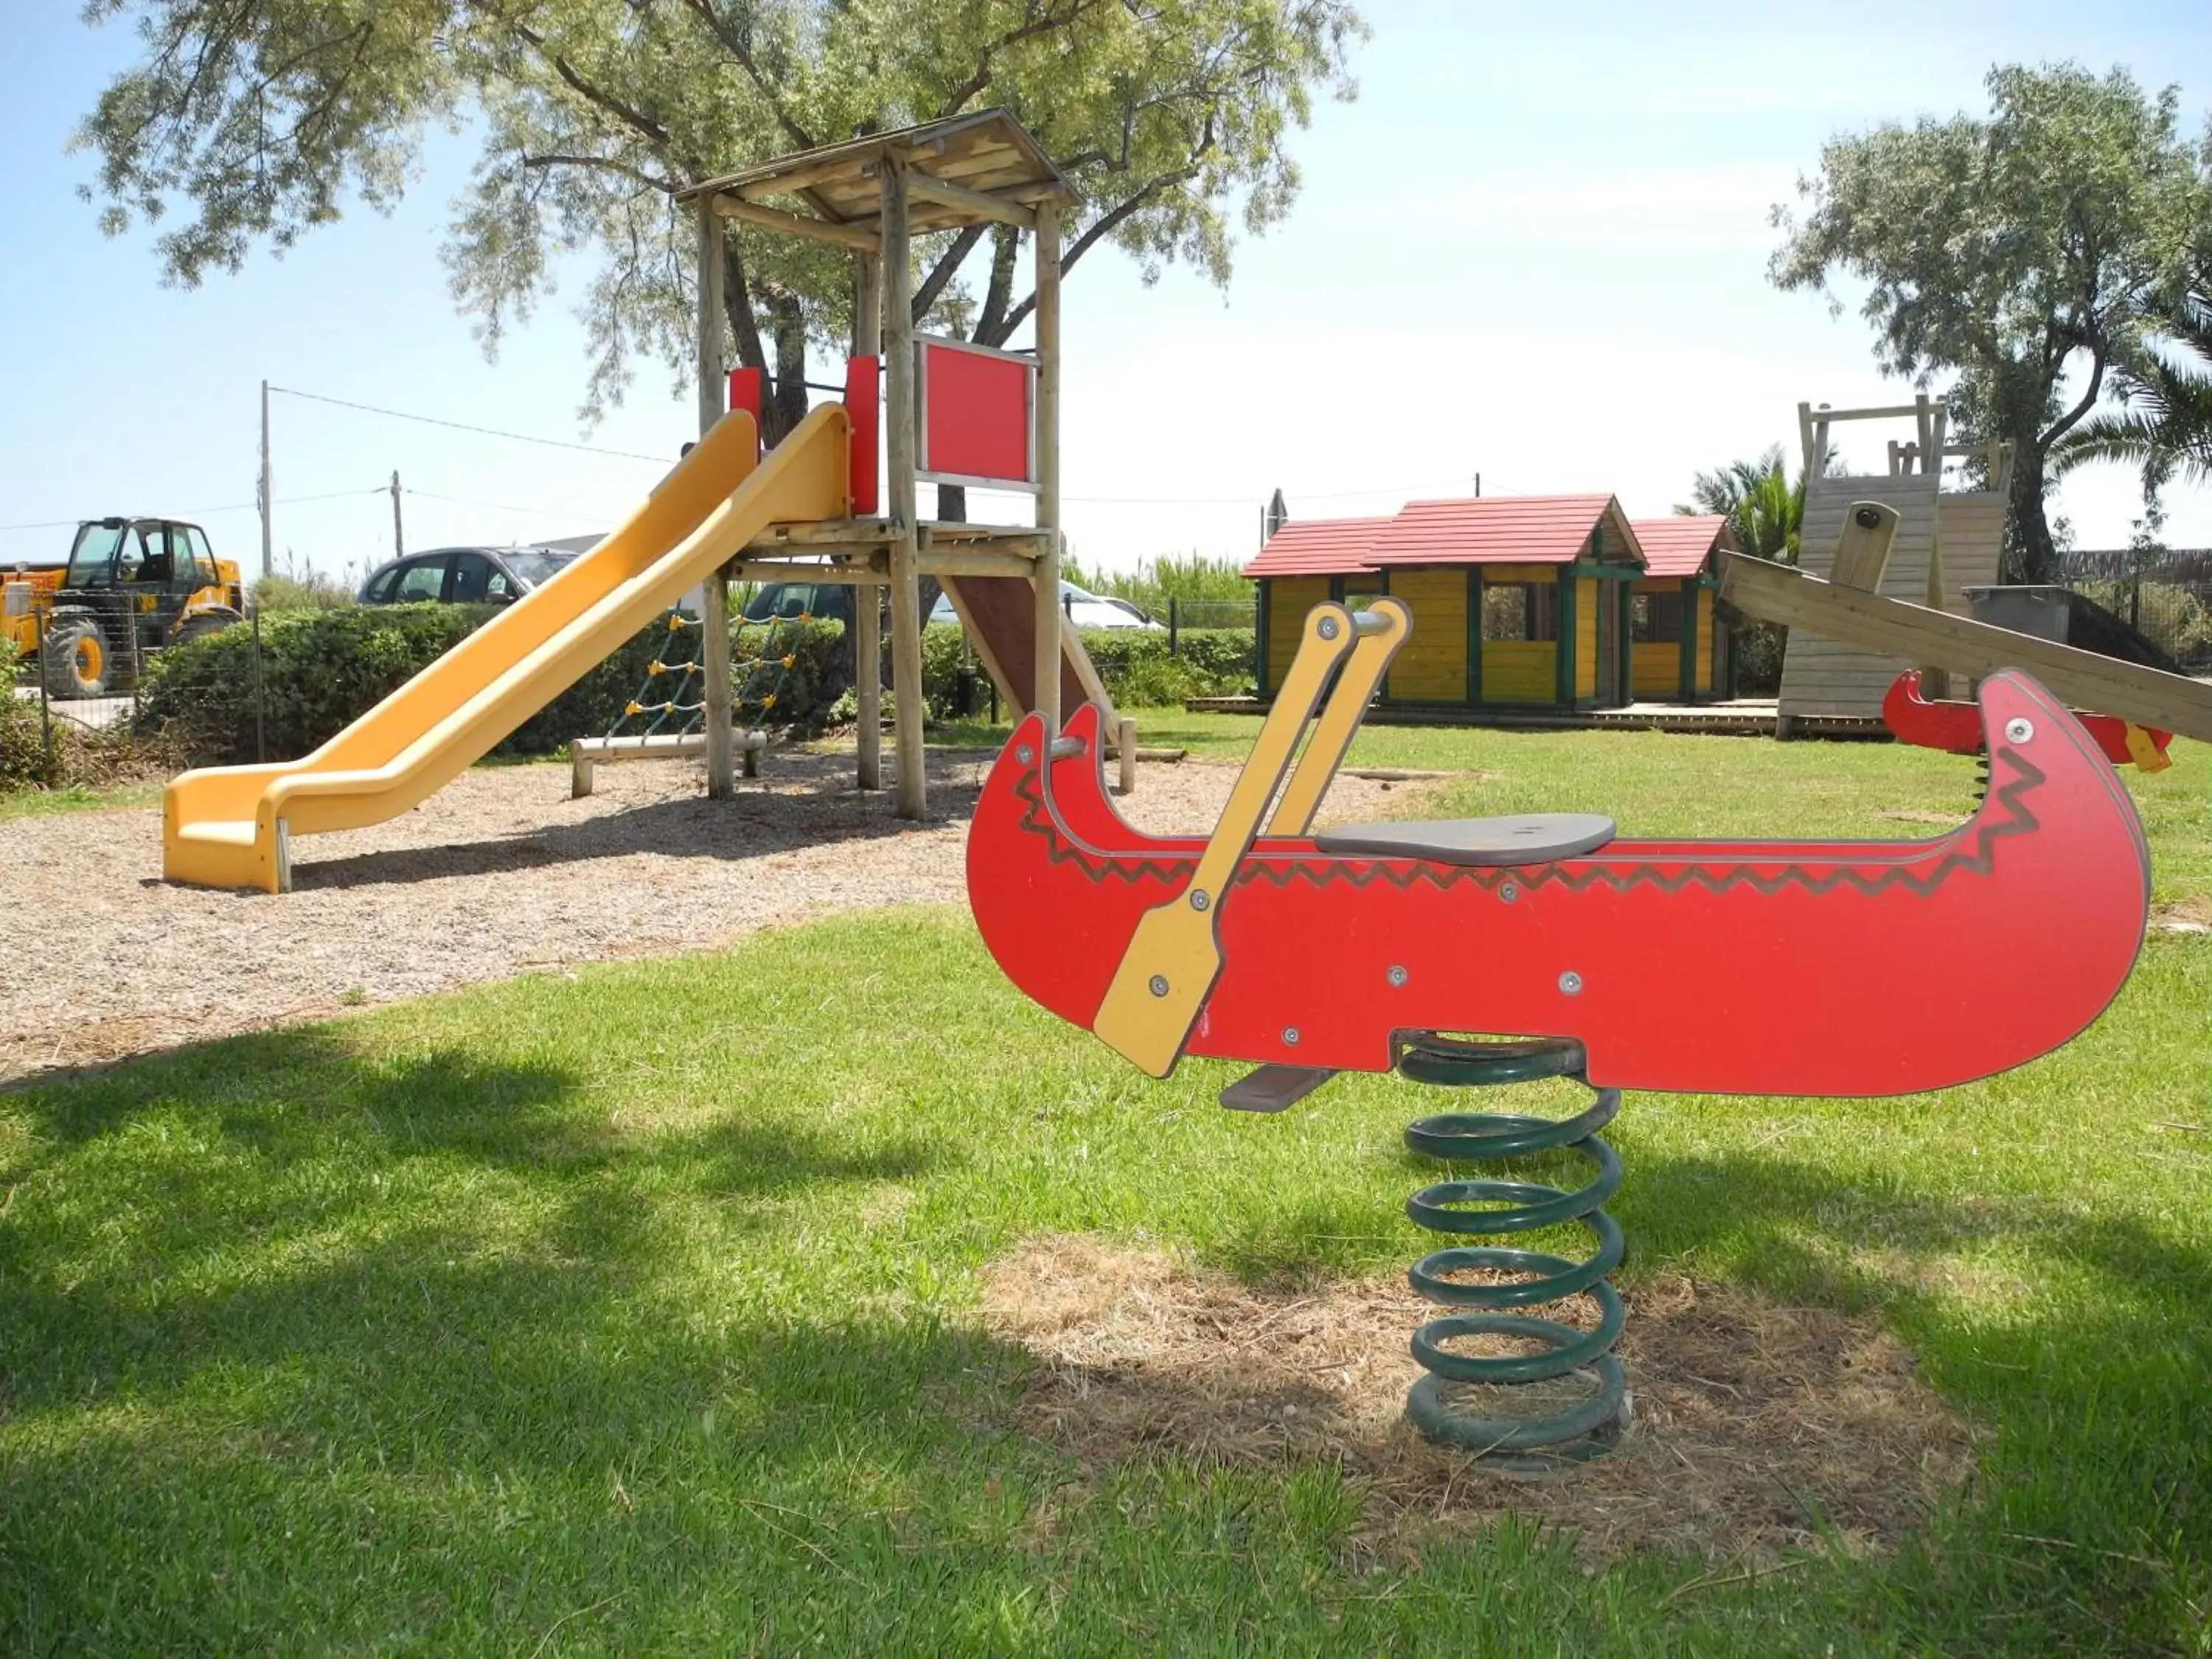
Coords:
2014,817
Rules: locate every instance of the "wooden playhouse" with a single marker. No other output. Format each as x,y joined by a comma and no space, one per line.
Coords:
1518,602
1679,645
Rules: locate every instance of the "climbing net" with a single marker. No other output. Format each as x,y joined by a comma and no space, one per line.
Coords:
673,700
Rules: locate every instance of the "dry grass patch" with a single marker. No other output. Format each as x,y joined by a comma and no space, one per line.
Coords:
1757,1427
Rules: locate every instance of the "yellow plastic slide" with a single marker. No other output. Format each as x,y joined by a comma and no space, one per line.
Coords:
231,826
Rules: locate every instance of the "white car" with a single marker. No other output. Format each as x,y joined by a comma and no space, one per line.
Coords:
1083,609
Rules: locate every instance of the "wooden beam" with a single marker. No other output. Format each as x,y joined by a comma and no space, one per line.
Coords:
795,224
2148,696
867,603
798,178
776,570
974,561
825,533
715,592
898,451
1044,579
974,202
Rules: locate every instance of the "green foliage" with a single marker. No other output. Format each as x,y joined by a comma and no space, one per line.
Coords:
321,670
2164,425
281,591
1208,591
250,124
2029,252
1763,506
61,756
1133,662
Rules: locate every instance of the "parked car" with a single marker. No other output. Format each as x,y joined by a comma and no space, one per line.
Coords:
787,601
1083,609
466,575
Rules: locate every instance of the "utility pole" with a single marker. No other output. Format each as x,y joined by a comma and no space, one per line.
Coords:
268,557
398,544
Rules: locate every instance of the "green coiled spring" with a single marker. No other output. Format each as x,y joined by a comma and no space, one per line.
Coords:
1594,1422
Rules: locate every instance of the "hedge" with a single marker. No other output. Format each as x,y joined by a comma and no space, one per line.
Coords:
1133,662
321,670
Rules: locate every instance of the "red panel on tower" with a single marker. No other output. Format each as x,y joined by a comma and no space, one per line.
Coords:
861,375
976,416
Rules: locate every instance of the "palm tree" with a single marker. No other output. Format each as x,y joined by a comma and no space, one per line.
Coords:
2164,424
1762,505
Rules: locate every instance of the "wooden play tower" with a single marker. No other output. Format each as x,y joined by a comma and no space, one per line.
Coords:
873,196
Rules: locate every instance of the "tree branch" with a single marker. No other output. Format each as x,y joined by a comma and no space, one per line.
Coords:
943,271
980,76
628,114
604,164
735,45
1106,223
2067,423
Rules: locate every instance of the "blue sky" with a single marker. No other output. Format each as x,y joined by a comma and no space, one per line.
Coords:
1534,248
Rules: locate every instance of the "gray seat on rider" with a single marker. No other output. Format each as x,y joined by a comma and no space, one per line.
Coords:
1523,838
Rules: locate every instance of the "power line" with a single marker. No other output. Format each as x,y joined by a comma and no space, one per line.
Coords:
1239,501
504,507
207,512
463,426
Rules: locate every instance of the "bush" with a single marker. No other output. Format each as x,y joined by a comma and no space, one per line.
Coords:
1758,647
76,757
1133,662
321,670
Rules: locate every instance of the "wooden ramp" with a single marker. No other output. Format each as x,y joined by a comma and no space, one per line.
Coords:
1947,541
999,613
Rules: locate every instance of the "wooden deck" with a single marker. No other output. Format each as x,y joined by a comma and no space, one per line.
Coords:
1741,717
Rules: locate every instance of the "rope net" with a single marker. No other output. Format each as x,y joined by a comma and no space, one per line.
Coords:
764,671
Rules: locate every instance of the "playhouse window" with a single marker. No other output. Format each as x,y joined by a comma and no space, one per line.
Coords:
1520,610
1656,618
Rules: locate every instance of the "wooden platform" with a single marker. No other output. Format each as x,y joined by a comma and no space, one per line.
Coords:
1741,717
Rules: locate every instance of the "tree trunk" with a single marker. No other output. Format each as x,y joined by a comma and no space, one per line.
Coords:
2031,553
788,398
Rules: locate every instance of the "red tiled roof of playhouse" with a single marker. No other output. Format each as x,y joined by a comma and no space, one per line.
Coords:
1317,547
1490,530
1679,545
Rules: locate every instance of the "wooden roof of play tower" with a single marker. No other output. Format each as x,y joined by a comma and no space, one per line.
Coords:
963,171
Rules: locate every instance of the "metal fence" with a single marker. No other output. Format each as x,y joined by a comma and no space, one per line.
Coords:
2166,597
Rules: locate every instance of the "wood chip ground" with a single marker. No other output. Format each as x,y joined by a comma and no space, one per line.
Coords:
499,873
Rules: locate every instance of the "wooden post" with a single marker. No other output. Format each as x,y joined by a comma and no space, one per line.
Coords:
1045,577
714,613
868,600
898,451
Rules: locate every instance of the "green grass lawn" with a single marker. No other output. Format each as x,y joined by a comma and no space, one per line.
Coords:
634,1310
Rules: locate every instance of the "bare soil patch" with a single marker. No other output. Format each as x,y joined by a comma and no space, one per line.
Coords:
1756,1427
499,873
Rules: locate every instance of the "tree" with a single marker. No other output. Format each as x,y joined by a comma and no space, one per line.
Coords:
263,121
2164,424
2027,253
1763,507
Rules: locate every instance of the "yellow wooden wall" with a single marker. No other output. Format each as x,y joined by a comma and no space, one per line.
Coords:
1586,637
1709,645
1519,671
1289,598
1432,665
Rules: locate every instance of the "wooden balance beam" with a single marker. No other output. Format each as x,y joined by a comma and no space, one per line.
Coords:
1776,593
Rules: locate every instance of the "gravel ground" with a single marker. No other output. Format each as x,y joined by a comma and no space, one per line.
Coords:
499,873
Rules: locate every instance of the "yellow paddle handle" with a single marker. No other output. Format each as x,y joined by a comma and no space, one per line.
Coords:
1174,957
1383,627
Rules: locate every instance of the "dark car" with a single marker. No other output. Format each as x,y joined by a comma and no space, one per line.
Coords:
787,601
466,575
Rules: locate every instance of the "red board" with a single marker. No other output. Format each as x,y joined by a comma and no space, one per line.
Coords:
861,375
976,416
745,388
1754,967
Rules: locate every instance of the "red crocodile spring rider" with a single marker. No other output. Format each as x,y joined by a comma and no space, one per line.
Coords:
1360,948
